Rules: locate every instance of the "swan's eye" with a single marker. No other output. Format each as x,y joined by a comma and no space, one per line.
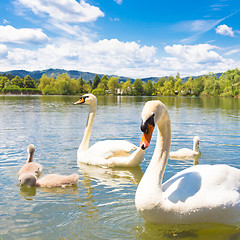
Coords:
144,125
81,100
151,120
84,98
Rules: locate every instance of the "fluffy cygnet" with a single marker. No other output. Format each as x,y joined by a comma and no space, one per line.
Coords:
30,166
28,179
48,181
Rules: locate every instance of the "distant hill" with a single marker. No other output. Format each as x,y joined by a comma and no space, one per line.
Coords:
55,72
77,74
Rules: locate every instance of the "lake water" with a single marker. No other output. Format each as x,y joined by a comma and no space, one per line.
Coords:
102,205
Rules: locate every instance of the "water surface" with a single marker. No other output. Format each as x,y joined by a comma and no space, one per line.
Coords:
102,206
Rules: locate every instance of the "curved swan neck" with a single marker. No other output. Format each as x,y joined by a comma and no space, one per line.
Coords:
195,146
150,185
88,129
30,157
160,156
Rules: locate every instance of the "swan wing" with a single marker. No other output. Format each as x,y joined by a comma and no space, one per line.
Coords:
112,153
110,148
182,153
204,186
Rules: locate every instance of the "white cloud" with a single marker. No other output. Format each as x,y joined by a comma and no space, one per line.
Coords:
234,51
18,57
225,30
105,56
3,50
197,26
197,59
118,1
9,34
114,19
5,21
200,53
112,56
64,10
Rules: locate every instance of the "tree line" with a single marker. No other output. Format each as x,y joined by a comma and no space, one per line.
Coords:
227,85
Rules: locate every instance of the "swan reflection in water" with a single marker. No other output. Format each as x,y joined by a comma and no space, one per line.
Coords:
111,176
32,191
187,159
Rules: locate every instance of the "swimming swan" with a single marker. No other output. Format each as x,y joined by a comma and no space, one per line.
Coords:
48,181
30,166
111,153
186,153
201,193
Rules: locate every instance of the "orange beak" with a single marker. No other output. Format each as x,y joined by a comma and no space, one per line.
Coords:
81,100
146,137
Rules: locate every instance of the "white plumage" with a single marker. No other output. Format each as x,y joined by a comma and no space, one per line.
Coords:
186,153
111,153
199,194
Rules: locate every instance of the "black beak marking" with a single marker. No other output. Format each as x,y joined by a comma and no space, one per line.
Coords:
144,125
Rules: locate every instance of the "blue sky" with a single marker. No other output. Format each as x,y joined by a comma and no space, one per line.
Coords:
123,37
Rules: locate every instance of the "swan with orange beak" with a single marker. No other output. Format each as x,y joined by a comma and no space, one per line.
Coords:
110,153
198,194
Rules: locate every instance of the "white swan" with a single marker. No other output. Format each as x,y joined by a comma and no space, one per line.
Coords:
111,153
30,166
201,193
186,153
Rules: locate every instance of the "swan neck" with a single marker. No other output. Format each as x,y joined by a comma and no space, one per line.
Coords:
151,183
160,156
195,146
30,157
149,191
88,129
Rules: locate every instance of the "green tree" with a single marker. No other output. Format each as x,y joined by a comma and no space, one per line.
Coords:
96,81
178,86
17,81
198,85
230,82
113,84
149,88
86,87
62,84
127,87
211,86
138,88
48,90
104,81
81,84
188,86
159,84
28,82
13,89
98,91
168,88
3,80
74,86
45,80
